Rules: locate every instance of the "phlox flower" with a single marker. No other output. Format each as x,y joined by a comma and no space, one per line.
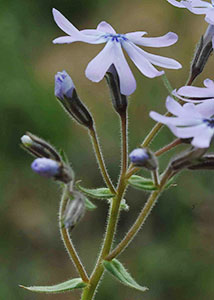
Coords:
197,7
189,121
196,94
112,52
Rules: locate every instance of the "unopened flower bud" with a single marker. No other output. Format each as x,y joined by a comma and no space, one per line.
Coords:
26,141
202,53
205,163
143,157
50,168
119,100
46,167
38,147
74,211
186,159
66,93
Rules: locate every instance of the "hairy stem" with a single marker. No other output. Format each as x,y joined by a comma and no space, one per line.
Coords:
67,240
100,160
89,291
141,218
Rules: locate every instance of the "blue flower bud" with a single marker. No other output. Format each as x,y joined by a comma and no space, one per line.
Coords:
66,93
46,167
143,157
64,85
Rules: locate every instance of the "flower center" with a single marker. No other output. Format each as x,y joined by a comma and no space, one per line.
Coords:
209,122
115,37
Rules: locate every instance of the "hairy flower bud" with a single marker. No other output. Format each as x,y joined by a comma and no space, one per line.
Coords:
186,159
119,100
202,53
46,167
38,147
74,211
205,163
143,157
66,93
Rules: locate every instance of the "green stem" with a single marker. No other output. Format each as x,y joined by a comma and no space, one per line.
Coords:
67,240
168,147
89,291
141,218
123,120
100,160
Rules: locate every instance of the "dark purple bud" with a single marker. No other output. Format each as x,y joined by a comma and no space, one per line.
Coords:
119,100
64,85
46,167
143,157
66,93
202,53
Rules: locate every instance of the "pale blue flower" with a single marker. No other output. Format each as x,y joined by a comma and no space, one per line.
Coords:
190,121
197,7
112,53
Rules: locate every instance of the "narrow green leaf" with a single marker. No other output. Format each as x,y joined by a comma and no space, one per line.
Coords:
99,193
142,183
117,270
89,205
66,286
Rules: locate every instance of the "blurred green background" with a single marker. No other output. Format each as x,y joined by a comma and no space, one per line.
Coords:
173,254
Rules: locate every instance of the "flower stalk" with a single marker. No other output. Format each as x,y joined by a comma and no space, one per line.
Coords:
67,240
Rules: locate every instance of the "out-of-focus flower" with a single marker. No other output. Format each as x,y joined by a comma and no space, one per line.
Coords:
190,121
46,167
197,7
112,53
196,94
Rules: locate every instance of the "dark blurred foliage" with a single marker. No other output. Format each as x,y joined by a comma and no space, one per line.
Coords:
173,255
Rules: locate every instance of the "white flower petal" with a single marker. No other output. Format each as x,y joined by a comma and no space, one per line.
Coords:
163,41
140,61
98,66
209,83
203,137
173,106
126,78
135,36
185,132
210,16
161,61
176,121
64,24
206,109
195,92
105,27
64,40
176,3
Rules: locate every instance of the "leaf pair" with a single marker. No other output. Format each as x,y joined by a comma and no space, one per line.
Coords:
114,267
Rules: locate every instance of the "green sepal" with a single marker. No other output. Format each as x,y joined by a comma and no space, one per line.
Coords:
89,205
142,183
99,193
115,268
66,286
